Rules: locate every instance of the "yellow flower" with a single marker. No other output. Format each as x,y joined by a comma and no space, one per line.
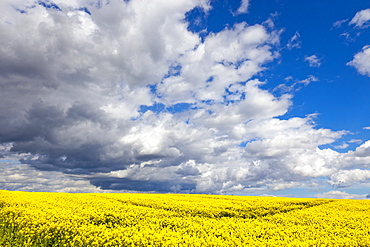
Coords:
58,219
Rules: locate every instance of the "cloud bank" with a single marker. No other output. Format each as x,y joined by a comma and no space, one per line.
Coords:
121,95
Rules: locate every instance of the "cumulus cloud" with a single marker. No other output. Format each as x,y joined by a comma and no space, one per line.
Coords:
228,57
361,19
362,151
345,178
22,177
361,61
84,81
77,76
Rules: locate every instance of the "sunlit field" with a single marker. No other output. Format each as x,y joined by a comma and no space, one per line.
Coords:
61,219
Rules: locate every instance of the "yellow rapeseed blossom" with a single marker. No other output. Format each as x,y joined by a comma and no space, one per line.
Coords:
61,219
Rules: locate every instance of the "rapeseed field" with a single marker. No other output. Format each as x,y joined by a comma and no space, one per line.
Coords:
112,219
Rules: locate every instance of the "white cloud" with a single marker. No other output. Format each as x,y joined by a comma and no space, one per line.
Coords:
361,19
361,61
297,85
308,80
22,177
366,128
345,178
339,23
341,146
313,61
294,41
355,141
258,104
335,194
73,85
243,7
288,78
230,56
363,150
282,185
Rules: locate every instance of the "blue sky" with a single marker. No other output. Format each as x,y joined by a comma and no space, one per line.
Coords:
234,97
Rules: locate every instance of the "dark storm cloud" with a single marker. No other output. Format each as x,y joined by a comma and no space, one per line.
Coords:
142,185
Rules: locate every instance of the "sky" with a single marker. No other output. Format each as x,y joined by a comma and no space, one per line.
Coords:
267,97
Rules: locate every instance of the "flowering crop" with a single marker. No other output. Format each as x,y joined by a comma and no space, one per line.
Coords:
112,219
